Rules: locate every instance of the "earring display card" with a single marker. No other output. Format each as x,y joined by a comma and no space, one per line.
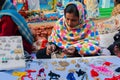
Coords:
11,53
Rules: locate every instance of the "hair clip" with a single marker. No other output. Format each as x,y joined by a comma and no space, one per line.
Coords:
29,73
118,69
3,40
96,78
13,40
102,69
9,41
18,51
113,78
70,76
11,51
6,49
4,60
42,70
77,65
28,60
39,62
80,72
7,45
2,54
73,61
18,41
85,60
94,73
17,57
59,68
63,63
1,48
53,75
18,46
10,58
22,57
21,75
107,63
98,61
40,78
54,63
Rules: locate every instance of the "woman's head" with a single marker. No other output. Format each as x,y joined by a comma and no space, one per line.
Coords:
71,15
74,14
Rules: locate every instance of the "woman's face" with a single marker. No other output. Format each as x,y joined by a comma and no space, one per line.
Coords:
117,51
71,20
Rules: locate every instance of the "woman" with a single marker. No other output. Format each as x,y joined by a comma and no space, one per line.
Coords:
13,24
73,34
115,47
116,9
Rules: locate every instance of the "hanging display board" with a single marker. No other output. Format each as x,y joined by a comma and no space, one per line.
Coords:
11,53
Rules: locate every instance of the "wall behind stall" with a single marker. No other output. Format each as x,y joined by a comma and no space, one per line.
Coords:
106,3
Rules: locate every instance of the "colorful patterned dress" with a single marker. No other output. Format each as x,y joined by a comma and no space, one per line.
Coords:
84,37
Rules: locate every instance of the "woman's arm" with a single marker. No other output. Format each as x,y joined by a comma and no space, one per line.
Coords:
90,44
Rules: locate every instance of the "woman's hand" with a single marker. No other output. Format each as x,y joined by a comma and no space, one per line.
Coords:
50,48
69,51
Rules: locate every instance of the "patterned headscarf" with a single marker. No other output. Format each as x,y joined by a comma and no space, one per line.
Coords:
84,38
81,10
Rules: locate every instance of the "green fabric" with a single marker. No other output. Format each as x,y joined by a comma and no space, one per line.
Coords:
105,12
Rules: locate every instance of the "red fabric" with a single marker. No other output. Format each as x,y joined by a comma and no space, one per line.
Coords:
24,9
9,28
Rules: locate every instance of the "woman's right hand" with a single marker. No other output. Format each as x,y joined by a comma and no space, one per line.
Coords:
50,48
70,50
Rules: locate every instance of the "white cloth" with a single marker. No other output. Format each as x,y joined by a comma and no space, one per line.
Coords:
105,52
107,39
92,7
34,4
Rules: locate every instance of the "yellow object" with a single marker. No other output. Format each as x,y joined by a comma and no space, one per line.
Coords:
19,74
85,2
53,4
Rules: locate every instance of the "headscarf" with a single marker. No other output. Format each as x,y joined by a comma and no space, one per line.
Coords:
10,10
84,38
